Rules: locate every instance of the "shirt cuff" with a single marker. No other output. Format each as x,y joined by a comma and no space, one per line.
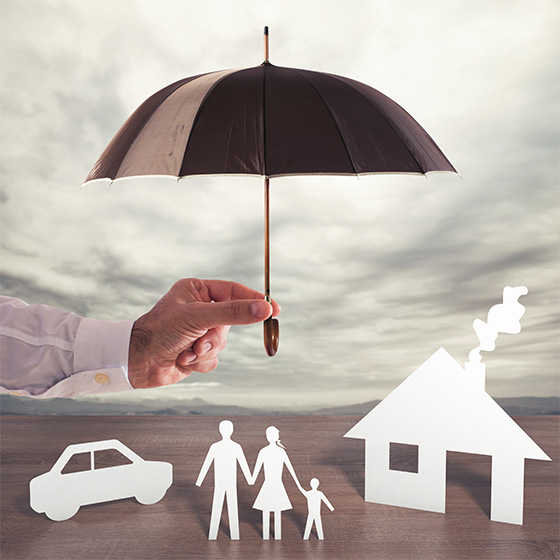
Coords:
101,356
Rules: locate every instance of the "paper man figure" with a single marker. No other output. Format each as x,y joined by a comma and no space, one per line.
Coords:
272,496
314,499
225,454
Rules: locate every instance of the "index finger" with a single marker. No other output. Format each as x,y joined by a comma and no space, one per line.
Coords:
224,290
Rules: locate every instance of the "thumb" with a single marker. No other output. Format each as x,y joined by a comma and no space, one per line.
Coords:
236,312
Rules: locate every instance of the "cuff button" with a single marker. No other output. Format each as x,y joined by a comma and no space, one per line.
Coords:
101,378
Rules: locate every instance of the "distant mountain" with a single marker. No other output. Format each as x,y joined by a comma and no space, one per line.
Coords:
530,405
362,408
514,406
10,404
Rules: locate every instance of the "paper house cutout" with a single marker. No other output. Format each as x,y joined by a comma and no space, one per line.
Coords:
442,407
60,495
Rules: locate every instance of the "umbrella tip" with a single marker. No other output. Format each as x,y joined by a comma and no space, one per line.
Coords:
265,44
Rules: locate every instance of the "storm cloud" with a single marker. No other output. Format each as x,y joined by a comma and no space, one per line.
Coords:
373,274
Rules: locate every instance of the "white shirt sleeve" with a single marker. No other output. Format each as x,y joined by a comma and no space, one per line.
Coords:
46,352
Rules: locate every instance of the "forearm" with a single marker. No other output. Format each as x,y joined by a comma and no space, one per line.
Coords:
47,352
293,473
205,468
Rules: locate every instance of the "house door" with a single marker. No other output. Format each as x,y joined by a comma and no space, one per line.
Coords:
468,484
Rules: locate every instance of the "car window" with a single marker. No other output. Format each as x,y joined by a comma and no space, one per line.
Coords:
110,458
78,462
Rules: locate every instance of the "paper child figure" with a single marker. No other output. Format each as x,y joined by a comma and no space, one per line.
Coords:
272,496
225,454
314,499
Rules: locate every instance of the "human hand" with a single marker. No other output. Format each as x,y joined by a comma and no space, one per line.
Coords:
187,328
299,486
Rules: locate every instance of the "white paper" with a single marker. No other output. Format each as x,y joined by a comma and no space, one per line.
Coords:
442,407
60,495
225,455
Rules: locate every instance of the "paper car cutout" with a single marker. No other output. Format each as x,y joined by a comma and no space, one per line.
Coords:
60,495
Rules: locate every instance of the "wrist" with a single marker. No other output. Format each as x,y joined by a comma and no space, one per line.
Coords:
137,364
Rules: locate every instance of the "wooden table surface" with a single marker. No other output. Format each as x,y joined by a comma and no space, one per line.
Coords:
177,526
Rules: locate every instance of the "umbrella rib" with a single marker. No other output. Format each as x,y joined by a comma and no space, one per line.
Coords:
198,112
116,160
264,120
388,121
332,118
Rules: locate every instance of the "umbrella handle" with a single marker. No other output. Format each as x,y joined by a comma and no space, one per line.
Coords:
271,332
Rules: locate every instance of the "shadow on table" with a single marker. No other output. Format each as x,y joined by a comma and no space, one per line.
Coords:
200,502
472,473
347,456
21,503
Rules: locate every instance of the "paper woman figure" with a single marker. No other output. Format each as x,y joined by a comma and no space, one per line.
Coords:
272,496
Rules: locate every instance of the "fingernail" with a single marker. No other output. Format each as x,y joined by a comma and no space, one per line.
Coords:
206,347
260,308
190,357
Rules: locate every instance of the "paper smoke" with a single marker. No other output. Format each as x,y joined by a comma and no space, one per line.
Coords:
502,318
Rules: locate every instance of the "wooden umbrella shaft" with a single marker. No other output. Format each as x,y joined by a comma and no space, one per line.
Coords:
271,326
267,239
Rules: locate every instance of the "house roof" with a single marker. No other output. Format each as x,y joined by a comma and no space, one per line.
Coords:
441,405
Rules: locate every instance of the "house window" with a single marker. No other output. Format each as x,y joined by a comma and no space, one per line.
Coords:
403,457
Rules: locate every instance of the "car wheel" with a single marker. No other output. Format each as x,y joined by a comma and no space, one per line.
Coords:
151,497
61,513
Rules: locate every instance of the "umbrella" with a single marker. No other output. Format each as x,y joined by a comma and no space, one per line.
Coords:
269,121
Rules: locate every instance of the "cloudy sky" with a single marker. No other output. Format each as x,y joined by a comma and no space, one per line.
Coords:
373,274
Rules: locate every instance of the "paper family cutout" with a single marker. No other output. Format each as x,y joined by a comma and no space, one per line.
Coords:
226,455
442,407
60,495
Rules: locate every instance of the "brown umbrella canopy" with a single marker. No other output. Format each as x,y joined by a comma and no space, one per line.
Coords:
269,121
